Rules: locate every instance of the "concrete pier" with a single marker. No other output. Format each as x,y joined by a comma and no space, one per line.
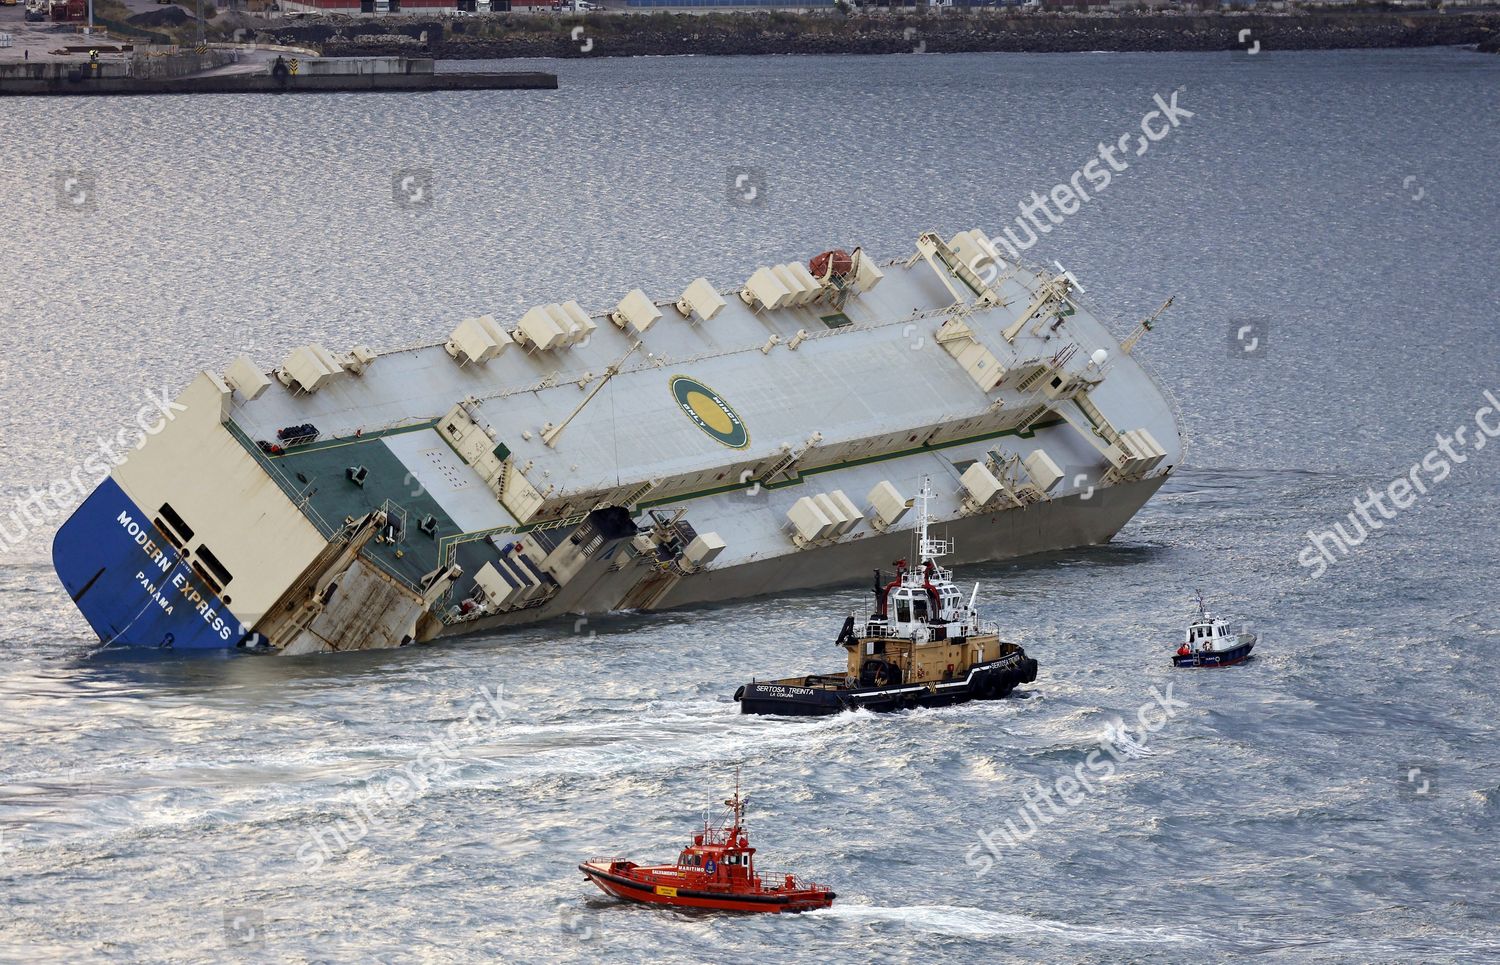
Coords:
43,61
334,75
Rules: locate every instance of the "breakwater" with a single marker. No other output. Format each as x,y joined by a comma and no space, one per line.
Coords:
503,36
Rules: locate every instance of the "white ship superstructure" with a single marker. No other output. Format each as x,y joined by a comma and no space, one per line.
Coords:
705,443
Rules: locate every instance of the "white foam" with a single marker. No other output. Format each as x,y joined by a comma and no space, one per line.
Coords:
963,922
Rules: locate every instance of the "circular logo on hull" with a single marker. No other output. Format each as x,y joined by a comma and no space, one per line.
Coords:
709,412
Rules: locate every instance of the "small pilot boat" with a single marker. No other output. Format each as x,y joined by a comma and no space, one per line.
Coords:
717,871
922,647
1209,643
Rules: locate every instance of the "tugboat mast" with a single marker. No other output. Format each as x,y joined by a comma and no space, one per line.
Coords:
927,548
735,804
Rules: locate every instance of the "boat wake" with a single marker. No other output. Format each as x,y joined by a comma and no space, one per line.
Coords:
961,922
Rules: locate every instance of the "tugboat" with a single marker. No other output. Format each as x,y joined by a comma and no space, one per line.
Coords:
717,871
1210,644
922,647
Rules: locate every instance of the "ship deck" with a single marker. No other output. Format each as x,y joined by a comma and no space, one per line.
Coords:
315,476
814,400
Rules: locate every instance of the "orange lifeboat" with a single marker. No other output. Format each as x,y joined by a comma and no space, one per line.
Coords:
831,264
716,871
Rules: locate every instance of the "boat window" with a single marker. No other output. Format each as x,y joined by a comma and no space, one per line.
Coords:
919,607
903,611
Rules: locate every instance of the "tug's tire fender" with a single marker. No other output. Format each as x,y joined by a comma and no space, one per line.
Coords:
739,694
881,673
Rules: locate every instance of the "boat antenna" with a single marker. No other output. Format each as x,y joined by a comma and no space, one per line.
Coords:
735,804
1202,610
927,547
920,533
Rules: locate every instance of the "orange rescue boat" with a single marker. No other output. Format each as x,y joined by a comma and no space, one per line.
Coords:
717,871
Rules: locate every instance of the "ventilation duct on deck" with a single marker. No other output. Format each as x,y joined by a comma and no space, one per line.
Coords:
765,289
837,507
478,340
1043,471
543,330
799,281
703,550
980,485
888,504
866,274
243,377
809,522
636,310
358,359
703,298
309,368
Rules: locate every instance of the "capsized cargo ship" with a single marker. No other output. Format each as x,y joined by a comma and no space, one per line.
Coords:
681,447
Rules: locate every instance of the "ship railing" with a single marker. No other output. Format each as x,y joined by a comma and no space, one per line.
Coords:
341,432
443,609
1185,442
615,859
301,495
778,879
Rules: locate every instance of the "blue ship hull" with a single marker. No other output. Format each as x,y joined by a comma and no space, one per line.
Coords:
1224,658
132,585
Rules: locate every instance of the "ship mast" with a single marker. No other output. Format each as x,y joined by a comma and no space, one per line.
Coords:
922,522
736,806
1144,327
927,547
